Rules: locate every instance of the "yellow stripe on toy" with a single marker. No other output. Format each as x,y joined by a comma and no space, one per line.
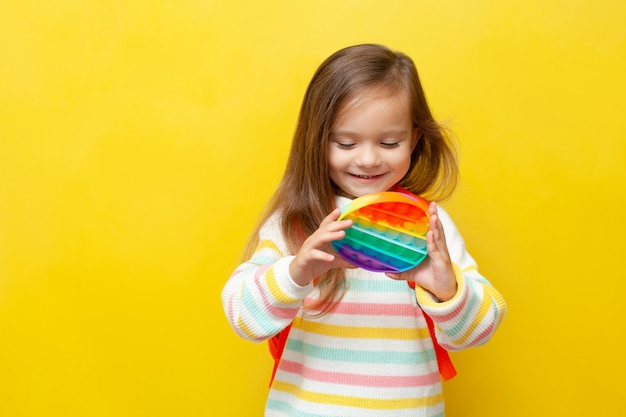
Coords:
388,233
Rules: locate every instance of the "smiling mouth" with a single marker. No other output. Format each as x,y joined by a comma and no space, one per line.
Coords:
366,177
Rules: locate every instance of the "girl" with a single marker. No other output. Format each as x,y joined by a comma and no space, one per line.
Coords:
358,342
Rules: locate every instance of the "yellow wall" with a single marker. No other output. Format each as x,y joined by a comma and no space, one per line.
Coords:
131,136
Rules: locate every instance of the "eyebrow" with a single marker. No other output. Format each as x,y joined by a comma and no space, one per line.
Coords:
349,133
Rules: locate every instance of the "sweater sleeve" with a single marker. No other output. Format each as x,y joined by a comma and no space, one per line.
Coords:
260,298
471,317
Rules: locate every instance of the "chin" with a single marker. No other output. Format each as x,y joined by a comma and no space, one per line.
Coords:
362,192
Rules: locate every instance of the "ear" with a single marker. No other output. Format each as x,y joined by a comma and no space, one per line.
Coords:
417,134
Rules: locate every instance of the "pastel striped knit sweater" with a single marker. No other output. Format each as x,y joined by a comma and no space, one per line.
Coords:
373,354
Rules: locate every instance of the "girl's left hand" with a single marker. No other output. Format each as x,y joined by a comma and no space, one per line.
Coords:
435,273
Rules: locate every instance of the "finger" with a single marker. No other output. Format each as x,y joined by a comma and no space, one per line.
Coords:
432,208
434,222
432,237
334,215
332,236
320,255
331,222
393,275
436,229
436,245
340,225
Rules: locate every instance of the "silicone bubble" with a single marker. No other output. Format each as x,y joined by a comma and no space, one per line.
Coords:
388,233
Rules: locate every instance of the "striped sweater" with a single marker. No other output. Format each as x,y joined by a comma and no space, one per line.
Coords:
373,354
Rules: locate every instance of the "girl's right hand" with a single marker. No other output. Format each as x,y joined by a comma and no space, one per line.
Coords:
312,258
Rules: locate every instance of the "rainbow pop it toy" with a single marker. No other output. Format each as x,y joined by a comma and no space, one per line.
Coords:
388,233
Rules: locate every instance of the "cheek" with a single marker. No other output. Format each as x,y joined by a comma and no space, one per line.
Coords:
401,160
335,160
403,165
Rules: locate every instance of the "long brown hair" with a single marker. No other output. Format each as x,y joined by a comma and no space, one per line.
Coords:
306,193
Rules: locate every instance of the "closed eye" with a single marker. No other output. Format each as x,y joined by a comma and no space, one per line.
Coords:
390,144
345,145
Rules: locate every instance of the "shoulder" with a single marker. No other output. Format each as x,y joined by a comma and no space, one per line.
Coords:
454,240
270,234
446,219
453,235
271,227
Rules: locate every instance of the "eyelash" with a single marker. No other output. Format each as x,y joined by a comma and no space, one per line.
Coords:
388,145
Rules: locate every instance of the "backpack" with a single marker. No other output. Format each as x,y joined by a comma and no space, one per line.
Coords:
446,367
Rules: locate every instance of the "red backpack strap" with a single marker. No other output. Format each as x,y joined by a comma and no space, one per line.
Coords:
446,367
277,345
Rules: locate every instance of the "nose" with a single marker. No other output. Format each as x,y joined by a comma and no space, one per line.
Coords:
368,156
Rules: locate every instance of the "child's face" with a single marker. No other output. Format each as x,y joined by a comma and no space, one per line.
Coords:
371,143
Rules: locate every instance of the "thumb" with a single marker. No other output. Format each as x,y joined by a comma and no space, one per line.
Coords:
394,275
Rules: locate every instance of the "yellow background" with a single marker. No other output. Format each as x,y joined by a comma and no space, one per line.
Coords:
139,140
